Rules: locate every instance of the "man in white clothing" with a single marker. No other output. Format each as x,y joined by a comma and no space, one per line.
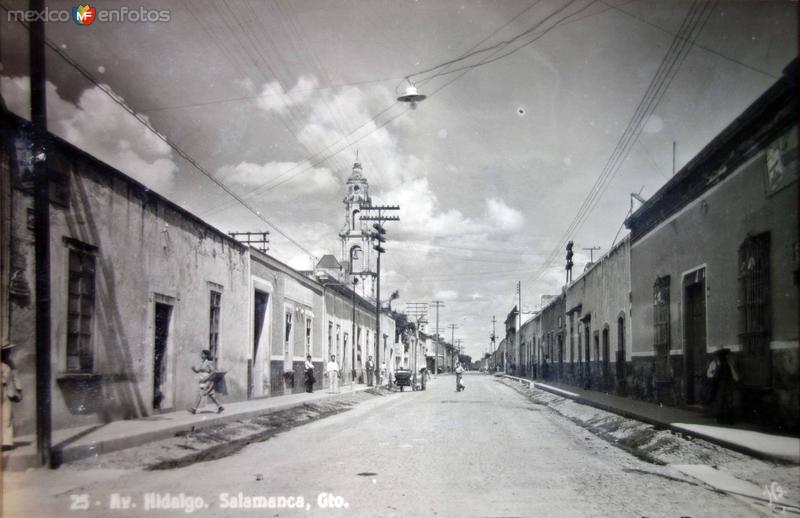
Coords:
332,371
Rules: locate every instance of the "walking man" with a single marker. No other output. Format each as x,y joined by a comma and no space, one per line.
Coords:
459,373
333,373
207,383
370,371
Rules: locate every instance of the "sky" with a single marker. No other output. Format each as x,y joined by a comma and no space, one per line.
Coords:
274,98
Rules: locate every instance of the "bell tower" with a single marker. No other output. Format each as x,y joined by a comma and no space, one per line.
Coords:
355,235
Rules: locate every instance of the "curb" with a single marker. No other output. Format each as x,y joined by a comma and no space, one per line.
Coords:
69,453
656,423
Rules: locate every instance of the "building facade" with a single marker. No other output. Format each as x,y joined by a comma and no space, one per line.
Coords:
597,334
139,287
714,264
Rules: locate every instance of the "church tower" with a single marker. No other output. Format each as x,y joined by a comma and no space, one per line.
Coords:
355,235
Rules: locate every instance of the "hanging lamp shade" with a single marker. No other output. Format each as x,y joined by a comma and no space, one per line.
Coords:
412,96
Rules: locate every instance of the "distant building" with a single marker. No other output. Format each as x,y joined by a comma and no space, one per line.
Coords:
357,256
597,334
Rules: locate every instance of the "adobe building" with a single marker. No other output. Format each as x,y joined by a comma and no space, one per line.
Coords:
597,310
714,264
139,287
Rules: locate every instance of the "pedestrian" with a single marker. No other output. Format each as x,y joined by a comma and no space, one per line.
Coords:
309,374
370,371
720,391
12,393
545,368
334,374
423,375
459,374
209,381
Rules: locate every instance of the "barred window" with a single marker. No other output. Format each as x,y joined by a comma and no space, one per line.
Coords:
661,324
80,312
754,312
213,324
308,335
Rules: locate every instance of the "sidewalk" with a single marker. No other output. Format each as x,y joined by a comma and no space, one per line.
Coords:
77,443
743,438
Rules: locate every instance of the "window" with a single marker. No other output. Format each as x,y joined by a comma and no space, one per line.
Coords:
331,349
287,334
754,313
213,324
621,347
80,311
661,339
338,352
308,336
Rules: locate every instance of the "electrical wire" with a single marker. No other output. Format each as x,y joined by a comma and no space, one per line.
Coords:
652,97
146,123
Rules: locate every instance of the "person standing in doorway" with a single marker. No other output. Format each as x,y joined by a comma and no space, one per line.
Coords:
370,371
207,383
333,375
12,393
308,369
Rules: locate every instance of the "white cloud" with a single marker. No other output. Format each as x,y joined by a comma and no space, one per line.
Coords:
250,175
447,294
274,98
101,127
503,216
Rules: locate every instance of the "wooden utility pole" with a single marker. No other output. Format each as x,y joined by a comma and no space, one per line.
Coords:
437,304
41,209
378,237
591,250
453,339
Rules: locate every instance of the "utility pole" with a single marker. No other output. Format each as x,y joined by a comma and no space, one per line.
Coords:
418,310
494,337
378,237
453,338
41,233
257,240
591,250
437,304
519,326
353,336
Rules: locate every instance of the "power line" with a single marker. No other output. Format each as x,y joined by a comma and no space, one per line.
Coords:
143,120
654,93
707,49
286,177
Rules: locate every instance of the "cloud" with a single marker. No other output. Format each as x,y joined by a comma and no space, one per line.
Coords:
503,216
274,98
250,175
102,128
447,294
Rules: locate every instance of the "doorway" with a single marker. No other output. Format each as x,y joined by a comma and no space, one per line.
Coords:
163,315
606,359
260,300
694,334
587,348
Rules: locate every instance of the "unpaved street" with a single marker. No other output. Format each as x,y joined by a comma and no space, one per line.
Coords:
487,451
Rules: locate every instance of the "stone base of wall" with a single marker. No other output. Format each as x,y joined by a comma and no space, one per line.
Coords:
776,407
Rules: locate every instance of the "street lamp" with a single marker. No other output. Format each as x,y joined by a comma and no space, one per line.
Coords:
412,96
